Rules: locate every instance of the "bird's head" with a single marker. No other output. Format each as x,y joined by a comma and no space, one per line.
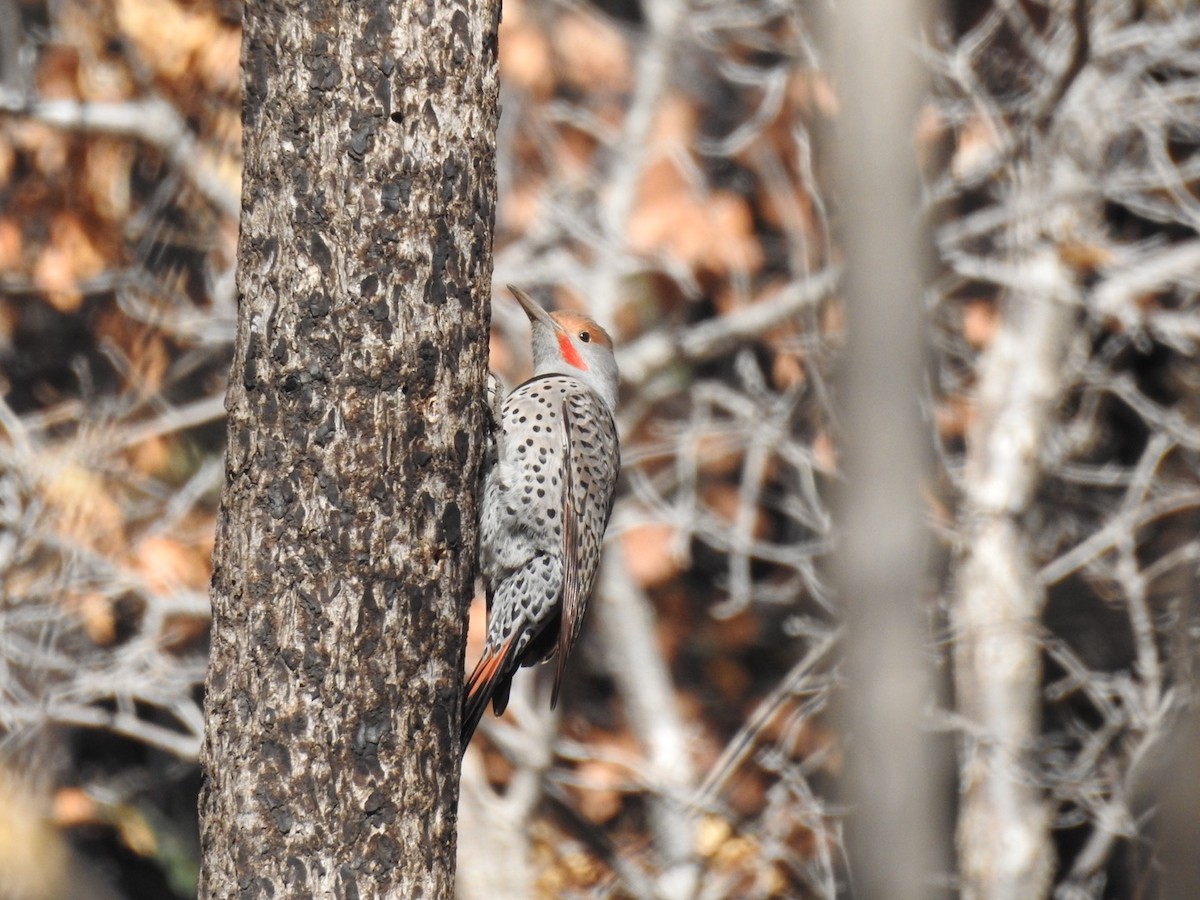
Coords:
571,343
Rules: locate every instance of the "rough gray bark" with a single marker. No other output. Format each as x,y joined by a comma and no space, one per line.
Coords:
344,556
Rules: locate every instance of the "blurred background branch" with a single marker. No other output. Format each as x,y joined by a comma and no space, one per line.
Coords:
897,820
663,164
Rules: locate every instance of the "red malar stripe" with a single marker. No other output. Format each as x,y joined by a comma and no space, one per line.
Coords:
569,353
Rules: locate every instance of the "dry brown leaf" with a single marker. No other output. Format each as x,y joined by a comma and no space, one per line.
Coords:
53,275
713,232
675,123
770,882
811,91
144,346
182,632
740,632
711,835
593,55
150,364
69,257
573,157
657,213
649,552
726,501
11,245
47,146
8,159
519,209
746,795
217,62
98,617
496,767
735,852
790,209
9,316
152,457
81,505
180,43
732,238
583,869
526,58
167,565
1085,256
551,880
58,73
135,831
718,454
106,174
101,81
599,799
728,678
72,806
976,148
103,73
953,416
787,371
824,453
980,322
551,884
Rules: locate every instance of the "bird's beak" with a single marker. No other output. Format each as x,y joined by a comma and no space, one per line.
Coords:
532,308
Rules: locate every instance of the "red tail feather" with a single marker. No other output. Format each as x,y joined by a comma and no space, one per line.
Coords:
486,677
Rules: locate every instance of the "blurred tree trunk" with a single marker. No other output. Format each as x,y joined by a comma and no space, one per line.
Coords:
897,836
344,555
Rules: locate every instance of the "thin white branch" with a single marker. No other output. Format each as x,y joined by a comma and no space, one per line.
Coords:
1120,293
652,74
172,420
1111,534
1004,825
644,358
803,677
183,746
626,623
152,120
493,840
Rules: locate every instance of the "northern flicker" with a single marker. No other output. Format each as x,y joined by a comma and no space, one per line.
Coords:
546,501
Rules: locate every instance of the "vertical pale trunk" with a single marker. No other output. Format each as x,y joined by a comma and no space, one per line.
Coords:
1005,852
345,545
897,832
1005,846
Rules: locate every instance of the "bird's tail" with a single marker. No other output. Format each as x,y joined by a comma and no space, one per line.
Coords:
489,677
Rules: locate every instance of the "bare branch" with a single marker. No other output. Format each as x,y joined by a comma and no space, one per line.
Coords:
626,621
152,120
646,357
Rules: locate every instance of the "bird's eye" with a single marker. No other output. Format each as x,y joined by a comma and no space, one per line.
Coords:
585,336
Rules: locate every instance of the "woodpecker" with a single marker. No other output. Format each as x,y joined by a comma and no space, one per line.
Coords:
547,498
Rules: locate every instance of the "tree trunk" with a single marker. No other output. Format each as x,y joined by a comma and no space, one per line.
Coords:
897,833
345,546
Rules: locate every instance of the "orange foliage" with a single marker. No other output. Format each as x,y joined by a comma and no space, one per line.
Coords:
713,232
649,552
